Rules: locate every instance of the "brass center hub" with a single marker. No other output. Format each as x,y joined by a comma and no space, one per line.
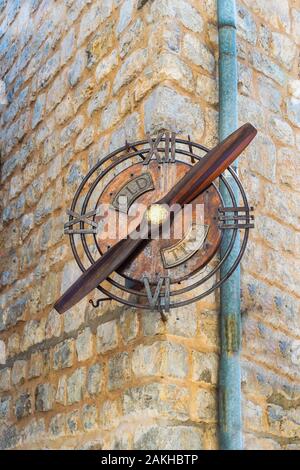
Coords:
157,214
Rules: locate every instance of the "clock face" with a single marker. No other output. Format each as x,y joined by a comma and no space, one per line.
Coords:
139,186
180,265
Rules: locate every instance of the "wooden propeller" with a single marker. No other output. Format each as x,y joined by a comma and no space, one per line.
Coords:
186,190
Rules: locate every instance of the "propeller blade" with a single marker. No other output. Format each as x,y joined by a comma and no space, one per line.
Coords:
188,188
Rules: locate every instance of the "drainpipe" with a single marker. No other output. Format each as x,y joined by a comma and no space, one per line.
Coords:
230,419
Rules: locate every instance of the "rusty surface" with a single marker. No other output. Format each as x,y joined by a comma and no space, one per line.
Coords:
149,261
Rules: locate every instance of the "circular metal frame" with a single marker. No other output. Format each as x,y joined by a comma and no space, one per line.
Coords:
110,163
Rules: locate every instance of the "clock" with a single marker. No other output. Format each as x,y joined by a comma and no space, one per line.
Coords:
147,221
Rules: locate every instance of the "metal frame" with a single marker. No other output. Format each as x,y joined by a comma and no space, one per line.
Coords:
109,164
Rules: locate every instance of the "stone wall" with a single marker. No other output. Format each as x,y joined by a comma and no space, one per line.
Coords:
81,77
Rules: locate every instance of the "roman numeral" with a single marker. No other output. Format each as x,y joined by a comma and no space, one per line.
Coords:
156,301
165,157
77,219
240,218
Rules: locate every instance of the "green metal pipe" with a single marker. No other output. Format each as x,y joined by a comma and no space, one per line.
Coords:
230,419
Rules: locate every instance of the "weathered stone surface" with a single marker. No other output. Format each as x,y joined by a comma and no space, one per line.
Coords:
99,99
89,417
160,358
94,379
63,354
269,94
77,68
181,9
283,49
156,399
44,397
246,26
276,12
38,111
101,43
18,373
296,24
107,336
165,108
119,371
5,379
53,325
182,321
207,88
131,38
206,405
250,111
110,115
67,46
97,13
5,404
2,352
129,325
289,169
281,130
125,15
205,367
168,437
76,386
57,91
198,53
13,344
72,420
293,111
57,425
152,324
106,66
84,345
85,138
263,64
61,392
71,130
109,414
64,110
253,416
23,406
266,167
34,431
131,67
35,365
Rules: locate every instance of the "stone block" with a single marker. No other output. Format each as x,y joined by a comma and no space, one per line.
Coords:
119,370
206,405
19,371
44,397
23,406
106,66
161,358
129,325
281,130
166,109
94,379
107,336
5,379
57,425
205,367
198,53
63,354
84,345
167,438
130,69
76,386
89,417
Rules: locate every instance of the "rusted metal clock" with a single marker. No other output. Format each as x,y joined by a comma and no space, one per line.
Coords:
150,184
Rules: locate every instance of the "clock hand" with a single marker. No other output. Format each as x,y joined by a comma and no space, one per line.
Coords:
186,190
